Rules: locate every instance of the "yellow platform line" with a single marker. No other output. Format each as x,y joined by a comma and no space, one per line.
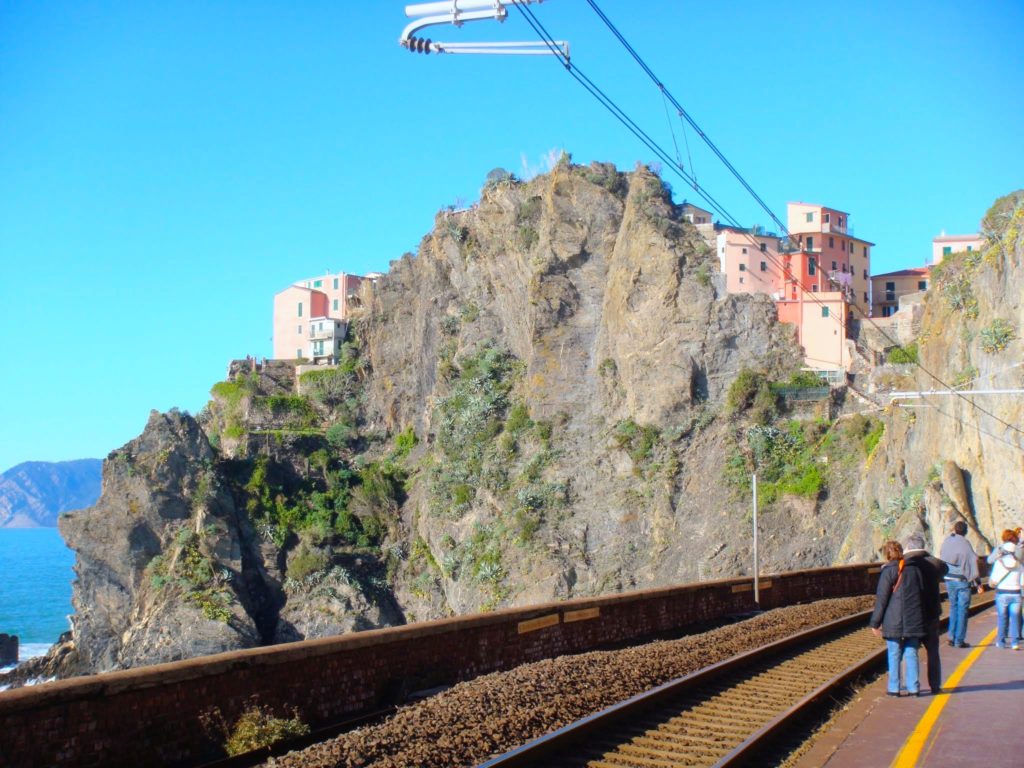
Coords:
915,743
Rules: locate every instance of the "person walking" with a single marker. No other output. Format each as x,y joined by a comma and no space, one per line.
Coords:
900,616
961,579
933,570
1005,578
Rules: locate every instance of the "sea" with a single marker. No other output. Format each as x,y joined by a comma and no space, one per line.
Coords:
35,587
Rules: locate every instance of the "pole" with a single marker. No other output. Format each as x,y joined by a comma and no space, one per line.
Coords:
757,570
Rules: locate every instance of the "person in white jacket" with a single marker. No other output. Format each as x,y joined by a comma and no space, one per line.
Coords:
1006,578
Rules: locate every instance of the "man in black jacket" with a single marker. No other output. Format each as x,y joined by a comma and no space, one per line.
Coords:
934,569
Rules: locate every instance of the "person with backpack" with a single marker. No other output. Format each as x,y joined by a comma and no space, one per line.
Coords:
961,579
901,615
1005,579
933,570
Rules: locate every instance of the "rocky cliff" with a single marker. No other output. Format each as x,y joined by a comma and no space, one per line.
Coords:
958,457
550,399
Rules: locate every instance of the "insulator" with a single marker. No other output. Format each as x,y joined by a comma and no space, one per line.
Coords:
410,45
426,46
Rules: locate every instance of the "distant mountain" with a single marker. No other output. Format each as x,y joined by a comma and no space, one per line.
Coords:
34,493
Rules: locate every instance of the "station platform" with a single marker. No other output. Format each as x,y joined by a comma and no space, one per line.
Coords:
977,720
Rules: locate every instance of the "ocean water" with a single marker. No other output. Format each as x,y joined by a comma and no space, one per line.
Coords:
35,587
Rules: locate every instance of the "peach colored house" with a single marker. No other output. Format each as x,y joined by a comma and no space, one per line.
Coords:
887,288
820,328
751,262
944,245
310,317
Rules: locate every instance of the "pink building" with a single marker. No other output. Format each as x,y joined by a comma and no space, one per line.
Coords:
817,278
310,317
887,288
944,245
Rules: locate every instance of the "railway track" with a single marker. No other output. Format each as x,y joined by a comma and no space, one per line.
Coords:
722,715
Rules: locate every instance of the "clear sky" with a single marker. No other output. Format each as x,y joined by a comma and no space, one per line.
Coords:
165,168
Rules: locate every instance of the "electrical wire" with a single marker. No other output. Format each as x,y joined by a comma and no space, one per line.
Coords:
855,307
634,128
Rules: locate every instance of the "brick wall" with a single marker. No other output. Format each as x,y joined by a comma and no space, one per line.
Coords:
150,715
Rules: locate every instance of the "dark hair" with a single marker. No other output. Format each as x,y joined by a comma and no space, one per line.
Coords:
960,528
892,550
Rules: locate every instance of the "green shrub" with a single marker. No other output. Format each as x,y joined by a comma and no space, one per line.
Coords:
903,355
405,441
528,237
996,336
257,727
341,436
638,441
306,561
744,389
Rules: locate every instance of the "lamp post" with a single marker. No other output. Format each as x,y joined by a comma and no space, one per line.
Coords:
757,568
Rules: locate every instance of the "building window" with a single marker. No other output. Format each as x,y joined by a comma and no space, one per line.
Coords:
865,251
743,267
764,266
300,309
741,281
840,221
298,354
835,266
814,288
827,217
842,245
335,283
831,242
744,250
810,215
890,286
300,330
866,296
764,247
810,243
970,248
922,285
824,311
335,305
865,274
811,266
317,283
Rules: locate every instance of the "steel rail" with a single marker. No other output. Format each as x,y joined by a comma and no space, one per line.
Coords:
556,743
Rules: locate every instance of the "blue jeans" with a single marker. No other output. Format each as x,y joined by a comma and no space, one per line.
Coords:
959,601
904,649
1008,623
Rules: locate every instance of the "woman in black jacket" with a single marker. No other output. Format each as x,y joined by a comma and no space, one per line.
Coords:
902,613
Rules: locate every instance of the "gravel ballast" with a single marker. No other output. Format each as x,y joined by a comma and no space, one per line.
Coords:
494,713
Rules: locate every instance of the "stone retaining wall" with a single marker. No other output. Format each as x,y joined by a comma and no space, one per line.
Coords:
151,715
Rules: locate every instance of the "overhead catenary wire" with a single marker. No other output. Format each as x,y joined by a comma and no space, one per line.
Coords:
783,229
634,128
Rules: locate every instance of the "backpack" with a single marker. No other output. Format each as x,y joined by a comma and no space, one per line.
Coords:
993,582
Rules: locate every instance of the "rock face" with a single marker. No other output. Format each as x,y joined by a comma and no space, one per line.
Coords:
149,588
34,493
8,649
551,399
960,457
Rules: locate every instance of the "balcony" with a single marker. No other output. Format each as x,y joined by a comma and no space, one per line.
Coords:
327,334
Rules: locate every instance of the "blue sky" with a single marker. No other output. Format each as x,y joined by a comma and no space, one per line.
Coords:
165,168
